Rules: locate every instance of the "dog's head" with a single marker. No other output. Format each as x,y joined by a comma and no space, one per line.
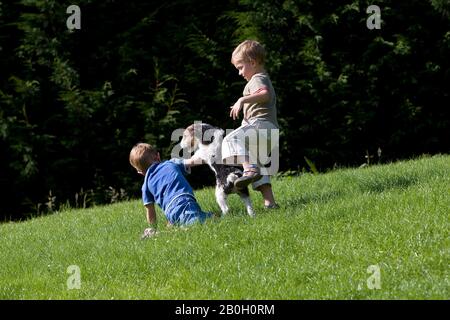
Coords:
189,142
199,134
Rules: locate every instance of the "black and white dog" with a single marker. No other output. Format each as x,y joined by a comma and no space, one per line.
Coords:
206,141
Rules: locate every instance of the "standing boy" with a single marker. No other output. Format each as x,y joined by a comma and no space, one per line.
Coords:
258,104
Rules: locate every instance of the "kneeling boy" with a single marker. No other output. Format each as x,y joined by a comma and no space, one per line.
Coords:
165,184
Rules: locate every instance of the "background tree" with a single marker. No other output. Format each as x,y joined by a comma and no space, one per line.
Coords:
72,103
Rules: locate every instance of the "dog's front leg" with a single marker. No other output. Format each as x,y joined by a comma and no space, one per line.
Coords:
221,199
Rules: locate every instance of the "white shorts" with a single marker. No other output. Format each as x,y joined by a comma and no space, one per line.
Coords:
257,140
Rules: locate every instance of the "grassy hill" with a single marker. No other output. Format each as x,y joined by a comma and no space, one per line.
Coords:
380,232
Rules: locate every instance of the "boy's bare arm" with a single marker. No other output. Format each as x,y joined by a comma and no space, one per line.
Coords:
151,219
260,96
192,162
151,215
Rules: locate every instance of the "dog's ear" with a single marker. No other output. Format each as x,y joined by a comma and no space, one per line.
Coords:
190,129
208,133
197,131
205,133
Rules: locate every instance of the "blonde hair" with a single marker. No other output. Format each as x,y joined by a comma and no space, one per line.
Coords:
142,156
249,50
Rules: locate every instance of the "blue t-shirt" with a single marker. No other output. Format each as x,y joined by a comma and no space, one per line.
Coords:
164,181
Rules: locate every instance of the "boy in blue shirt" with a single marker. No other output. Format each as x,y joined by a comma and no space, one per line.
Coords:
165,184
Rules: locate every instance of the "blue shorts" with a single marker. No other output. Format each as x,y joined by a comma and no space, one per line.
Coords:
185,211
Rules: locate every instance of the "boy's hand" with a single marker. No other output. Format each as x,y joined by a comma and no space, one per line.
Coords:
234,113
148,233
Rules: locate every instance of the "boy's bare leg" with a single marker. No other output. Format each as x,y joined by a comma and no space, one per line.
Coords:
267,193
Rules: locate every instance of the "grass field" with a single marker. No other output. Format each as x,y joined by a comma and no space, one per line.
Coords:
380,232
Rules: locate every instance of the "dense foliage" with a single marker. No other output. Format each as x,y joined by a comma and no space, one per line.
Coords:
72,103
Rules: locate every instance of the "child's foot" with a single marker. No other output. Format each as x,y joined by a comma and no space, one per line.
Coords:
250,175
272,206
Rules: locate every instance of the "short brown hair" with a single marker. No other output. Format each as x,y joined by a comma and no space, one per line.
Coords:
142,156
249,50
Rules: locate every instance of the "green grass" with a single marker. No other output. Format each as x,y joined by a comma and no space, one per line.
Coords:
318,245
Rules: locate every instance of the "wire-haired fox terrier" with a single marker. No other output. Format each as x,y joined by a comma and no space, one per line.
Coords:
206,141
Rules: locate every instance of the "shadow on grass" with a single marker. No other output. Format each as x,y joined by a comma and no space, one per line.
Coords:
372,183
308,198
382,184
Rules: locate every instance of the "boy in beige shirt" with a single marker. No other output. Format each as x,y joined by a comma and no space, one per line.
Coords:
257,137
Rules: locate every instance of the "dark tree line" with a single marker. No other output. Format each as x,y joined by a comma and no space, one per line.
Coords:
72,103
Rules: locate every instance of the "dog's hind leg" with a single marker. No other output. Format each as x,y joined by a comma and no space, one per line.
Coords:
245,196
221,199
